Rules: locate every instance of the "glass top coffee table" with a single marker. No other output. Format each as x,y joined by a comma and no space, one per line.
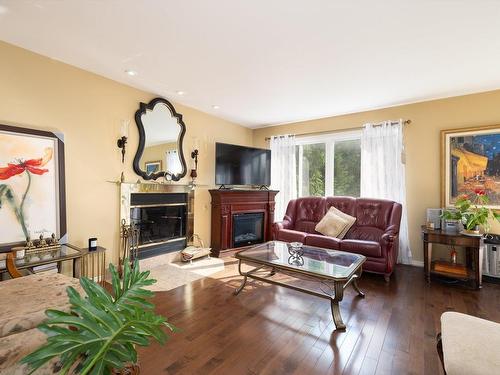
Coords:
333,269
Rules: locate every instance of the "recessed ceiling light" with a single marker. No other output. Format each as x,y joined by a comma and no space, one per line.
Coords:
131,72
180,92
215,107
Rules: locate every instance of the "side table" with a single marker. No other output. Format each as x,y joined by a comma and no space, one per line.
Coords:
472,269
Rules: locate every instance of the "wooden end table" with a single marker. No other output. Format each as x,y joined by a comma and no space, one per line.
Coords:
474,247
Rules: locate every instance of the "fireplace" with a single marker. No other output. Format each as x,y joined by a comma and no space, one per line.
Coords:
230,205
248,229
162,214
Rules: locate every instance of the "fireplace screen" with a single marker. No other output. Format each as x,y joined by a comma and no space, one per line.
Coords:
159,224
248,229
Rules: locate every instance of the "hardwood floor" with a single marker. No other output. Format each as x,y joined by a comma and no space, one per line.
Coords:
267,329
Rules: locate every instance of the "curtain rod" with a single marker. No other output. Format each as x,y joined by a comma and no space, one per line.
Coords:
405,122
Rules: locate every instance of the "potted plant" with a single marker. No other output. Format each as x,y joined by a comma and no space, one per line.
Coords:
100,333
472,213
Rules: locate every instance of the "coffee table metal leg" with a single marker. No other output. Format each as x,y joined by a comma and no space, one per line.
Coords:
355,284
337,298
243,282
242,285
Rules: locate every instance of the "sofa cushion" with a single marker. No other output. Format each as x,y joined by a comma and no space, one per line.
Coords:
319,240
364,234
373,212
332,224
25,299
289,235
344,204
366,248
470,344
309,211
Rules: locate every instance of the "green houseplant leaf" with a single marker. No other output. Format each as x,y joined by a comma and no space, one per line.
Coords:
102,329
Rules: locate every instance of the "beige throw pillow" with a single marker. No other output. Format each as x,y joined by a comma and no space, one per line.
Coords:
335,223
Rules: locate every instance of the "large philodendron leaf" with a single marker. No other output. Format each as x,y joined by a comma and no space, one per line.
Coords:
101,331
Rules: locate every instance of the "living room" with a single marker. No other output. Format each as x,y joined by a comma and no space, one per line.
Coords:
337,107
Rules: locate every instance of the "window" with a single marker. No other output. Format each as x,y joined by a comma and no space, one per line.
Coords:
329,165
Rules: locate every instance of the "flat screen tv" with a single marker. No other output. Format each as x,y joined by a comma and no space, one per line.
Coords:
239,165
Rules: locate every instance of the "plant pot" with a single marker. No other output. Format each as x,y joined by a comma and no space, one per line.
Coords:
475,230
469,231
129,369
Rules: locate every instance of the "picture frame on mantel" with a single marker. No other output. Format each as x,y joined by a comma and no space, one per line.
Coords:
470,161
32,185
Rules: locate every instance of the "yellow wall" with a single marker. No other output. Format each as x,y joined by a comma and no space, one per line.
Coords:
422,139
42,93
38,92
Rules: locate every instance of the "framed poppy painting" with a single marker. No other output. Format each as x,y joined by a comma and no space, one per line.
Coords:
32,191
471,165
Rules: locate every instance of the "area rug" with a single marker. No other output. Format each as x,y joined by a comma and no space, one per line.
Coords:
170,273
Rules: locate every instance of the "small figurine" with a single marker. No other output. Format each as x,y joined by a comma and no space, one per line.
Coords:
29,243
53,239
42,242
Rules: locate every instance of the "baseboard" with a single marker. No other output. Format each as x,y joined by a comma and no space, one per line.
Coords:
417,263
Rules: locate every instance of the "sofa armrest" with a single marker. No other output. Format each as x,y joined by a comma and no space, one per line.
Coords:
279,225
389,235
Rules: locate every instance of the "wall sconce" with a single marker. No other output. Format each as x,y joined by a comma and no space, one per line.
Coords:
194,156
121,142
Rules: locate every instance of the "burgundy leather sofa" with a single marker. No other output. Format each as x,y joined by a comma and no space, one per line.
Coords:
374,234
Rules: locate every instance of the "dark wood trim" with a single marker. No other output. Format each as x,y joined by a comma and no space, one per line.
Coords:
473,247
226,203
61,176
143,107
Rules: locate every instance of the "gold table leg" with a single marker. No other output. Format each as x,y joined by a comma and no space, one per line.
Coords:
355,284
334,302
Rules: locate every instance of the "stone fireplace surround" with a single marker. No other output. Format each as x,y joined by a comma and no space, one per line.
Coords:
129,190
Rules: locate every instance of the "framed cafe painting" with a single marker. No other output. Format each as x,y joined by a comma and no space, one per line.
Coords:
32,189
470,163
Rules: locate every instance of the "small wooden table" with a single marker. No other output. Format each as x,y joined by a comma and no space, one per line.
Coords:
66,252
473,255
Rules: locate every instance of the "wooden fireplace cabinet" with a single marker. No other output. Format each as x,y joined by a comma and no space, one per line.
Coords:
226,203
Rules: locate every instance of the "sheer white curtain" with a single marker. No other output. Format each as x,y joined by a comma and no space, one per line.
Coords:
173,164
283,172
383,172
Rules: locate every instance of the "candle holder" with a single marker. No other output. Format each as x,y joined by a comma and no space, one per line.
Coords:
194,172
121,144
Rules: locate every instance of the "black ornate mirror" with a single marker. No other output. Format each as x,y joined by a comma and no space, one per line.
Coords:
161,132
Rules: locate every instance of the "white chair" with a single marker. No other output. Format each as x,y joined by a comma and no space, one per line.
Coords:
468,345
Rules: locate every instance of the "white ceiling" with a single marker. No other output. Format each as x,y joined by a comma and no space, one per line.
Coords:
267,62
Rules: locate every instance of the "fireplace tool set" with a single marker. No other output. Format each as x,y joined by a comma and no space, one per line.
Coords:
129,244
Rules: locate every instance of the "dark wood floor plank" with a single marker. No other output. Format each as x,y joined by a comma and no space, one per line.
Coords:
271,330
